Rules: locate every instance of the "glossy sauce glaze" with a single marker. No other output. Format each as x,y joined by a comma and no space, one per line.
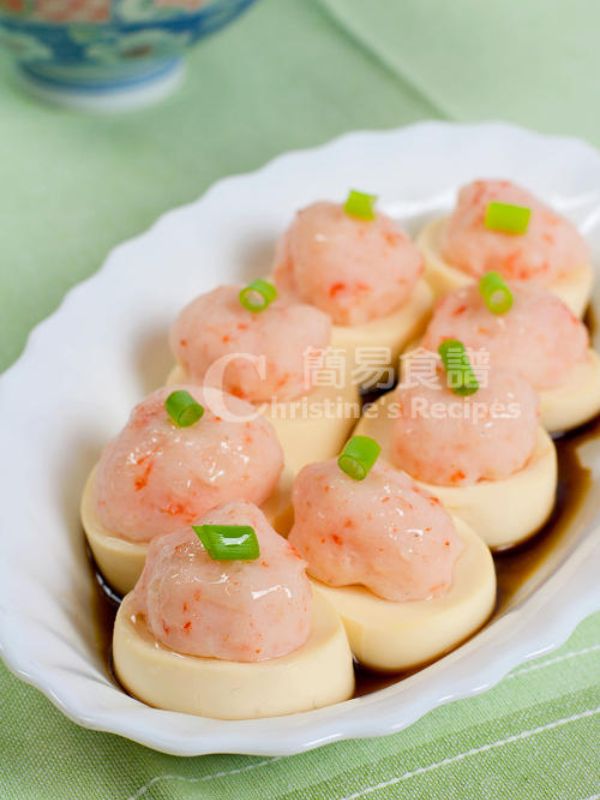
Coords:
519,570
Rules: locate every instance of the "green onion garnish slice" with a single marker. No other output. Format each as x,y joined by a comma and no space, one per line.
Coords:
258,295
507,218
360,205
228,542
183,409
358,456
461,378
495,292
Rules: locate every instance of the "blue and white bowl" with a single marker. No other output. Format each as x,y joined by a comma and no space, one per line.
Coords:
107,54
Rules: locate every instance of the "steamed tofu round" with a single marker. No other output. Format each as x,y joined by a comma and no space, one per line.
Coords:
365,274
393,636
408,581
539,338
200,604
317,674
215,637
503,511
156,476
459,249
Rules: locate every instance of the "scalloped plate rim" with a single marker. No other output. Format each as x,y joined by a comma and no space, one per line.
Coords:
238,737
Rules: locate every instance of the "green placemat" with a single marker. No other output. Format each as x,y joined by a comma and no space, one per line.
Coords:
294,73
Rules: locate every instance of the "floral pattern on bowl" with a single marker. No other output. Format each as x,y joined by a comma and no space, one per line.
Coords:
104,45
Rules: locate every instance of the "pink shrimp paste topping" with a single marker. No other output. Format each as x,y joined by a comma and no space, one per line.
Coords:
232,610
551,248
354,270
540,337
155,477
385,532
216,326
441,438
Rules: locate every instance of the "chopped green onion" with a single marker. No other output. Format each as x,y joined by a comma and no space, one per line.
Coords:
461,378
228,542
258,295
358,457
495,292
360,205
507,218
183,409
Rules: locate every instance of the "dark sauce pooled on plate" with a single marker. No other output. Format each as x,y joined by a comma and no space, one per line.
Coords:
519,570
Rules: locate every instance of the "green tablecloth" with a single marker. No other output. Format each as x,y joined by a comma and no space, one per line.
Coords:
294,73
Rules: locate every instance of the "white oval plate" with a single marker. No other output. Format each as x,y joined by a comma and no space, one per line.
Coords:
105,347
